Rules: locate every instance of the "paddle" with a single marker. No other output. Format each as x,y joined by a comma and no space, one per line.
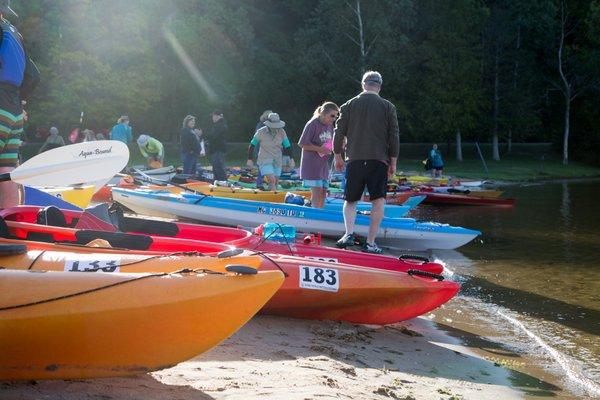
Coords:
150,179
75,163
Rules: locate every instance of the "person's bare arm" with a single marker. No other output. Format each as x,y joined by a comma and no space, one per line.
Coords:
339,136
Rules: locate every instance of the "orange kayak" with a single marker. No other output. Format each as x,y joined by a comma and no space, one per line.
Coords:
42,256
59,325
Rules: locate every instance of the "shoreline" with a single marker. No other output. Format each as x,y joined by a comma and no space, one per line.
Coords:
545,180
277,357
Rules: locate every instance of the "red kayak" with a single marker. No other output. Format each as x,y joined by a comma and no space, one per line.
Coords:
321,290
311,289
462,199
162,236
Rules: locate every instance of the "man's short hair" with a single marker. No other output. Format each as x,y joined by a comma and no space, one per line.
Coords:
372,78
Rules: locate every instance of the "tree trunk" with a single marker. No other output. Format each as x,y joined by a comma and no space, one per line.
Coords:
361,34
514,86
495,150
459,156
566,130
565,84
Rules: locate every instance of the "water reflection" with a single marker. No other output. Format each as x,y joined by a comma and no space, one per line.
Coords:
538,261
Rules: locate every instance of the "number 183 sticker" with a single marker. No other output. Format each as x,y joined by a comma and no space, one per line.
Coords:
316,278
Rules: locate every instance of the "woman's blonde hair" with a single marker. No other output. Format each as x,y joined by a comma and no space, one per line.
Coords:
187,119
327,106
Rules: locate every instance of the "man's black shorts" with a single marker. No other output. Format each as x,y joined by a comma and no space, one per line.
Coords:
370,173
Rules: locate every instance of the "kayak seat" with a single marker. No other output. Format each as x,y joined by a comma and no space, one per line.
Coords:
4,229
51,216
162,228
116,239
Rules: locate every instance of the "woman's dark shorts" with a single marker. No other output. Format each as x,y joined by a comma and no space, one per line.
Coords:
370,173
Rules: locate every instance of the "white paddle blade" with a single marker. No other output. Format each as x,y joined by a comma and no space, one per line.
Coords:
76,163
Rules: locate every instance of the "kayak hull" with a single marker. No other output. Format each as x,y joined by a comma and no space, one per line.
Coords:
403,233
470,200
320,290
51,257
76,326
80,196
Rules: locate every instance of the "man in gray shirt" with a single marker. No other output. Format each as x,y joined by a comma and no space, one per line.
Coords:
369,126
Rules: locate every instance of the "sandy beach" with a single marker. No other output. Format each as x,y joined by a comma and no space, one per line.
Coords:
273,357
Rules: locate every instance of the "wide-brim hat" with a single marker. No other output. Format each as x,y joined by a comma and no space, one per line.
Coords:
5,8
273,121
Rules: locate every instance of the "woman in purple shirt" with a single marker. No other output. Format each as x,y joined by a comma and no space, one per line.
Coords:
316,143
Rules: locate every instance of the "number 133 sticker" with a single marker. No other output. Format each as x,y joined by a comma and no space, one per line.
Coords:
316,278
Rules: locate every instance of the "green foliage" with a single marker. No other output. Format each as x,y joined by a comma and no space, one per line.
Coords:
438,61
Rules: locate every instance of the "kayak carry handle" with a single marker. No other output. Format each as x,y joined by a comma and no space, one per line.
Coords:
405,257
230,253
241,269
12,249
425,274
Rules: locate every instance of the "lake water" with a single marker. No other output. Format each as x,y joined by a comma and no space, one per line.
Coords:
530,293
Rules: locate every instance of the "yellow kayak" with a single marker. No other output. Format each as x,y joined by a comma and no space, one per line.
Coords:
230,192
81,196
422,180
60,325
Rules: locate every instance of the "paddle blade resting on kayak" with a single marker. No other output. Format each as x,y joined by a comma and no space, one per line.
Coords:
76,163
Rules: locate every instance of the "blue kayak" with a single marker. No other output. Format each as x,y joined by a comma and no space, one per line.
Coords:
36,197
390,210
404,233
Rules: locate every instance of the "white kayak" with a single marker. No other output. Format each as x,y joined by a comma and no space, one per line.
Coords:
404,233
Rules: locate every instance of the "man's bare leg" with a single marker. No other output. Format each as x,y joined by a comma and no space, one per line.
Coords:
349,216
377,208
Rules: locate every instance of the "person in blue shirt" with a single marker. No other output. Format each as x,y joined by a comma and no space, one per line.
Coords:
122,131
437,163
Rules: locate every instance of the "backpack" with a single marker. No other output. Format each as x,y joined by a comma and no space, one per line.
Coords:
428,165
12,57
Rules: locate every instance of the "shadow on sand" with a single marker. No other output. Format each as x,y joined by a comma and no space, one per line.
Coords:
129,388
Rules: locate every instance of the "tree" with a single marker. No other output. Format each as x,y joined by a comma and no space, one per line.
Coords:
447,74
575,67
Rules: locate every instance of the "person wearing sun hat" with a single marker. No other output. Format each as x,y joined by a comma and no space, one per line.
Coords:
18,78
273,143
152,150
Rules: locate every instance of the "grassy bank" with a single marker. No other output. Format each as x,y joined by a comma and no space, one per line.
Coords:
530,162
515,168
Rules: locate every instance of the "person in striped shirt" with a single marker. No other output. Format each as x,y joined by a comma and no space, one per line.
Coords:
18,78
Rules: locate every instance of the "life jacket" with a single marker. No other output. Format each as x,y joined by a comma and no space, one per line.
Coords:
12,56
